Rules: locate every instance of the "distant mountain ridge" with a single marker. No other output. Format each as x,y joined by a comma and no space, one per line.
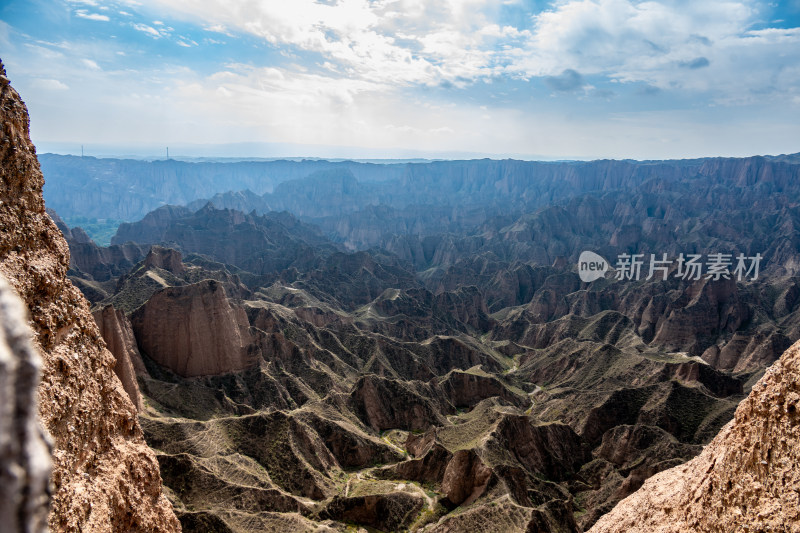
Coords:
708,206
461,196
129,189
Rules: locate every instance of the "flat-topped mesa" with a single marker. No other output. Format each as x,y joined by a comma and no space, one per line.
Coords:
105,478
745,480
194,330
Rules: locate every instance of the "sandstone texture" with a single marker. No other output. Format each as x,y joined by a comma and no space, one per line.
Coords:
105,478
465,477
116,330
194,330
24,445
166,259
746,479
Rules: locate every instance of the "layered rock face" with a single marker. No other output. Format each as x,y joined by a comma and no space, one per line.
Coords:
105,478
116,330
745,480
194,331
24,446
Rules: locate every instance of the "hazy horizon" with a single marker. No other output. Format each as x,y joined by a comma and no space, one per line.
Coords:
268,152
571,79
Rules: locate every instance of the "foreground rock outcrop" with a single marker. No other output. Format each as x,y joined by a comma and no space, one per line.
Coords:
746,479
24,446
105,478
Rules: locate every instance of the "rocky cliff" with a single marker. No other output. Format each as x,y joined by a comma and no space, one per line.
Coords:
116,330
746,479
105,478
194,330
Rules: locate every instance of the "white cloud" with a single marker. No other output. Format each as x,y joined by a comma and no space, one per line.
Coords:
50,84
394,41
704,46
92,16
605,36
368,73
149,30
218,28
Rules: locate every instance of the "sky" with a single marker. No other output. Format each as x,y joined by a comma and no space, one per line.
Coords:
568,79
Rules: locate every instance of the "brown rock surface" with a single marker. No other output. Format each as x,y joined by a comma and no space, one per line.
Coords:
466,389
165,258
745,480
387,404
428,468
393,511
105,478
465,477
705,308
194,330
116,330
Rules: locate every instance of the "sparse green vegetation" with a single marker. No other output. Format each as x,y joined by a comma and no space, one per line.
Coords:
100,230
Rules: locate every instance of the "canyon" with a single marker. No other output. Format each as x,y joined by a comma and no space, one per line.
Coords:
327,346
446,380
